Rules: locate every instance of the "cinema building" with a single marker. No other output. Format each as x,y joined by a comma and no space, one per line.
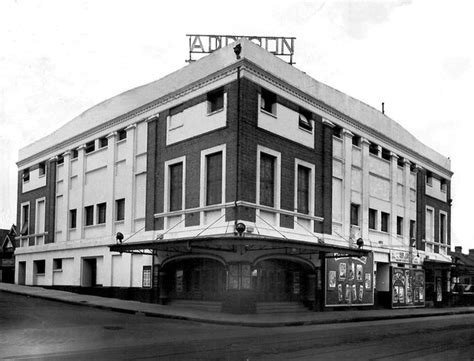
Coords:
240,183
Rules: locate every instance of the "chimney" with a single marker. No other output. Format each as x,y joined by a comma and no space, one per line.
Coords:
383,108
458,249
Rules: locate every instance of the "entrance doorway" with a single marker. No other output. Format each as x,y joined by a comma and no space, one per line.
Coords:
22,273
89,272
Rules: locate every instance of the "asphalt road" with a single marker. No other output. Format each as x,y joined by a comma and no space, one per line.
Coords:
32,328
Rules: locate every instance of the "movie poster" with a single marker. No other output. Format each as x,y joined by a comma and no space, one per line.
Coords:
367,281
408,287
332,279
359,272
342,270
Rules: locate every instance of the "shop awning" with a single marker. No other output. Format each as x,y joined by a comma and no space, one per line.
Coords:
235,244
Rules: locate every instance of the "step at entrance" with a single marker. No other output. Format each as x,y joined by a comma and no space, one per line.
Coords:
210,306
280,307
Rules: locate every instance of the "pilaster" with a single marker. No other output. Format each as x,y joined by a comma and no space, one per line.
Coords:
365,188
110,189
347,182
66,188
406,202
81,166
393,196
131,167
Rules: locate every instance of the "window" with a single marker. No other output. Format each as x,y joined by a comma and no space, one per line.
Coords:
89,213
39,266
372,218
57,264
303,189
121,134
429,178
400,226
429,230
75,154
337,131
356,140
72,218
386,154
443,227
268,101
355,214
25,215
101,213
443,185
26,175
412,229
90,147
305,120
103,142
267,180
374,149
214,178
120,209
146,277
215,101
60,159
385,222
400,161
412,167
176,187
42,169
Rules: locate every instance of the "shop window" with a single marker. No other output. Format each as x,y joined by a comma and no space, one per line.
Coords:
39,266
399,226
215,101
120,209
355,214
385,221
303,185
268,101
89,215
57,264
121,134
176,187
372,218
214,178
101,213
72,218
90,147
26,175
239,276
42,169
305,120
103,142
267,179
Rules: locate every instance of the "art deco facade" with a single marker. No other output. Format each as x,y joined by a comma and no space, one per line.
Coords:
238,180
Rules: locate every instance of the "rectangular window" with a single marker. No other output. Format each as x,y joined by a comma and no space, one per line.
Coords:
356,140
385,222
101,213
60,159
305,120
90,147
429,230
268,101
267,180
386,154
121,134
214,178
400,226
215,101
146,277
374,149
355,214
176,187
25,216
103,142
120,209
39,266
337,131
429,178
412,229
303,189
72,218
57,264
372,218
443,226
75,154
89,215
42,169
26,175
443,186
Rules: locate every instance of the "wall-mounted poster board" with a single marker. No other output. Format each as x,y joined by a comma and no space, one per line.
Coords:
349,281
408,287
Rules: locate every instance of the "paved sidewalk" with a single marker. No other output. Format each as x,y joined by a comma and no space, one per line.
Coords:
254,320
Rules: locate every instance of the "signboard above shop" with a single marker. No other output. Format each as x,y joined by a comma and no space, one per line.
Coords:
407,257
199,44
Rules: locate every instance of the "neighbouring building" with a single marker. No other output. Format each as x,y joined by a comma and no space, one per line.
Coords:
242,183
7,257
462,280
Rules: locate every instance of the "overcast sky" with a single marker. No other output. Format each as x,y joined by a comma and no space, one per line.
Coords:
59,58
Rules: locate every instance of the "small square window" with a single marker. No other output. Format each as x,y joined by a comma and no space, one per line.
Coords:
120,209
268,101
337,131
90,147
39,266
386,154
401,161
215,101
60,159
356,140
443,186
429,178
374,149
42,169
122,134
304,120
26,175
74,154
57,264
103,142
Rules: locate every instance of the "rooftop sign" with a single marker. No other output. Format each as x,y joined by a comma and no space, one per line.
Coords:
206,44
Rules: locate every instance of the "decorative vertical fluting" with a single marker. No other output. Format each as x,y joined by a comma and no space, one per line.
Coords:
347,182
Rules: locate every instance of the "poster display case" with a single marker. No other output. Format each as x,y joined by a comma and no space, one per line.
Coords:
349,281
408,287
